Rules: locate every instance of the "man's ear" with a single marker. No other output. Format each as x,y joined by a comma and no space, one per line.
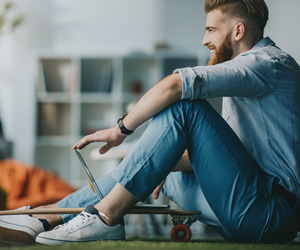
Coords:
239,31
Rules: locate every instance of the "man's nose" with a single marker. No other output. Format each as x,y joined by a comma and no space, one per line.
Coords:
205,40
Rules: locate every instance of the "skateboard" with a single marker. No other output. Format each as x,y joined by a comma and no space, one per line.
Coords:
182,220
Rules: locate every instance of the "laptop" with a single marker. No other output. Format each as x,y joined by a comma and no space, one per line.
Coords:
92,181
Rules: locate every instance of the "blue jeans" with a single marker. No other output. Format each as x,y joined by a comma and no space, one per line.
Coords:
226,183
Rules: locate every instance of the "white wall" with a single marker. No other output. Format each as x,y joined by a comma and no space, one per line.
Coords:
17,67
283,26
118,26
107,26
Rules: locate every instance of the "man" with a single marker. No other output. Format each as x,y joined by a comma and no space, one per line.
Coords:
241,172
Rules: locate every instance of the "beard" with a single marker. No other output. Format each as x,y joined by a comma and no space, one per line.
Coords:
223,53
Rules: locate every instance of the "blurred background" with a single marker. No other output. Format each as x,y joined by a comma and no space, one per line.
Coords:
68,68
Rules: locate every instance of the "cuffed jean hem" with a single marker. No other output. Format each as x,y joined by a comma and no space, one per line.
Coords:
85,196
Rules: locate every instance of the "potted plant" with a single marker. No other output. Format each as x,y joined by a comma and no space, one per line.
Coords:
10,19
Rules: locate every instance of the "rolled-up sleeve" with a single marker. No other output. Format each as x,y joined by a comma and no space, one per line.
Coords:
246,75
190,85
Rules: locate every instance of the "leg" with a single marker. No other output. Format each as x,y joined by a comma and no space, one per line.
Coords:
81,198
189,196
240,196
53,219
85,196
24,228
87,226
116,204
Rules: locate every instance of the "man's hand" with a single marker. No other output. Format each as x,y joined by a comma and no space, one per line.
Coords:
155,193
112,136
160,96
184,164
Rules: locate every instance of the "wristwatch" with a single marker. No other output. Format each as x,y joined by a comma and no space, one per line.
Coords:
123,129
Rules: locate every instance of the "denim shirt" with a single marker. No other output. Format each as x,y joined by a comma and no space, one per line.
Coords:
261,103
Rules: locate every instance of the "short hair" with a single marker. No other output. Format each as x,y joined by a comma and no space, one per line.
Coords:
255,13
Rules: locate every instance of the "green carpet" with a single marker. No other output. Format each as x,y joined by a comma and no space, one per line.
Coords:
146,244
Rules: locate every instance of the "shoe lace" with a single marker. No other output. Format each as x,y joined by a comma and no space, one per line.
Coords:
81,219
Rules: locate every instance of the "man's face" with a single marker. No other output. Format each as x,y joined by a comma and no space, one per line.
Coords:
218,37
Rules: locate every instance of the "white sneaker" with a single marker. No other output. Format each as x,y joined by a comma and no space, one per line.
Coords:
87,226
20,228
297,238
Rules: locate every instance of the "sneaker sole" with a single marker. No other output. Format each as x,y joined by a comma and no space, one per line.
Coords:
48,241
9,236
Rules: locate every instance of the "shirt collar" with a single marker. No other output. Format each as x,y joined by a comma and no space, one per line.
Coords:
263,43
267,41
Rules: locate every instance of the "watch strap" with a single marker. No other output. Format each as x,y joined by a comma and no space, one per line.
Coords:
123,129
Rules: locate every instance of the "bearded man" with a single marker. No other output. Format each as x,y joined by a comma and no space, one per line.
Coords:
242,170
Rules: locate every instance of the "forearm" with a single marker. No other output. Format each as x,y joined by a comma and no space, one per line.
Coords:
160,96
164,93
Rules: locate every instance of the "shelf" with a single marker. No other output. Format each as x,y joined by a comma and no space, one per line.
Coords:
98,97
63,141
78,95
129,97
57,97
172,63
139,74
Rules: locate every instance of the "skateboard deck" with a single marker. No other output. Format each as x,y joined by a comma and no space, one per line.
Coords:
143,209
181,219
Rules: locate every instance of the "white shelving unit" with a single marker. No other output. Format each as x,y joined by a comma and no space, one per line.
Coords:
77,95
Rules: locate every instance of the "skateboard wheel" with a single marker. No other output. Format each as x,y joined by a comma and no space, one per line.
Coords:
181,233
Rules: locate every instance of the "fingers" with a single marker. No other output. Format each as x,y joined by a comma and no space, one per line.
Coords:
83,142
113,137
156,191
97,136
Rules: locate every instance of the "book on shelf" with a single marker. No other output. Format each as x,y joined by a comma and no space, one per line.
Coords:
96,76
41,82
57,75
105,82
48,115
53,119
